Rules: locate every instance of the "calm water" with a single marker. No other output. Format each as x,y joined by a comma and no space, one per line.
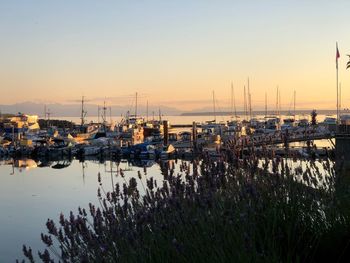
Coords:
28,196
187,119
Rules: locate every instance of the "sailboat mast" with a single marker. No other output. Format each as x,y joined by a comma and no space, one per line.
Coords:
250,105
234,101
249,101
245,104
98,114
277,102
136,106
265,105
104,112
147,111
231,100
82,111
294,103
214,108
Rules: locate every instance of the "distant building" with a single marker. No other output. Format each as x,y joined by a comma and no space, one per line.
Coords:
20,123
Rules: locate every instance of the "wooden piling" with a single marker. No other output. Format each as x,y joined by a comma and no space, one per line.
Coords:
194,136
166,132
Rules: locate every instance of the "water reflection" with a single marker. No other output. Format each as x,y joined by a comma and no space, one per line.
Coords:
25,164
20,165
33,190
56,186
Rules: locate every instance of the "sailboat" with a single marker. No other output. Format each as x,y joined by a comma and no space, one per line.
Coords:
288,123
212,127
234,126
272,122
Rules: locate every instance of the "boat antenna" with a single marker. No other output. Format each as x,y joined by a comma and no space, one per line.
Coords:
48,114
234,101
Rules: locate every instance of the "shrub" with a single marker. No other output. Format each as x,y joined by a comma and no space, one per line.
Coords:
210,211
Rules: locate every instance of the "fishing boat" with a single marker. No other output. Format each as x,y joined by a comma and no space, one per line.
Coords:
84,131
131,128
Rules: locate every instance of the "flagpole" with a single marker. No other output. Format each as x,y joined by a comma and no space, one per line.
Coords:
337,97
337,56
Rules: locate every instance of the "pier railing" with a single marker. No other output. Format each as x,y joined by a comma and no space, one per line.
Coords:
280,138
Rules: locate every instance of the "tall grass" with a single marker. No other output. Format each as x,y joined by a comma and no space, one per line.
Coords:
210,211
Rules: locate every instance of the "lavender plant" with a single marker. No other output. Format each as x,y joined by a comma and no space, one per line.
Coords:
228,210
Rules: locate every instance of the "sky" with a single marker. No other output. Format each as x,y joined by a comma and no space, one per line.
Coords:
174,53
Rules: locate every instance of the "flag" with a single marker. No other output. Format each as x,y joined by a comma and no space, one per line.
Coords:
348,64
337,55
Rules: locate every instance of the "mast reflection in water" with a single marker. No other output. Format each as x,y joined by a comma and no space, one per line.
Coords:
33,190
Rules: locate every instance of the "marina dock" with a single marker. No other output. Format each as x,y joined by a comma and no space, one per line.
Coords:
156,139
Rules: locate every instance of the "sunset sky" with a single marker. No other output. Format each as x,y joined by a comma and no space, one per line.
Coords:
173,53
